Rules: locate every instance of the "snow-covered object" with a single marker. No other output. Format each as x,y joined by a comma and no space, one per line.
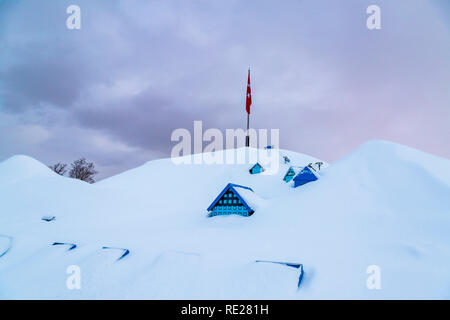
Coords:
48,218
307,174
5,244
22,167
383,205
291,173
255,169
244,201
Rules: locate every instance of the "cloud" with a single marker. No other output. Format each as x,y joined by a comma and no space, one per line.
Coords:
139,69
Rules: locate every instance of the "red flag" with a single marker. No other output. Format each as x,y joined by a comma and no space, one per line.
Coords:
248,102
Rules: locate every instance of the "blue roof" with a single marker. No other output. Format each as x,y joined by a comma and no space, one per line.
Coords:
233,187
290,172
256,165
305,175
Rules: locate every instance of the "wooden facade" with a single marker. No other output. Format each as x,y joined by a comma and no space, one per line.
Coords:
230,201
307,174
257,168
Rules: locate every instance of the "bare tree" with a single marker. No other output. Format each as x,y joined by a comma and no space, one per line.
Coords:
83,170
59,168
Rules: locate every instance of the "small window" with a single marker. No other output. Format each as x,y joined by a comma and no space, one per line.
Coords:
234,201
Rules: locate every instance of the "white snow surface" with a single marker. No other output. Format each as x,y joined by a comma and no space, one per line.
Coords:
384,204
251,198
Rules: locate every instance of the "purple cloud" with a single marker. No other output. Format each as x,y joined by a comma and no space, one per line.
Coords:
114,90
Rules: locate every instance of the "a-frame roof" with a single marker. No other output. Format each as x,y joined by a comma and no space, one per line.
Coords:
257,164
294,169
307,171
232,187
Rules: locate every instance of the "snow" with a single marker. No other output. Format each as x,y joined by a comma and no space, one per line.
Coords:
251,198
22,167
383,204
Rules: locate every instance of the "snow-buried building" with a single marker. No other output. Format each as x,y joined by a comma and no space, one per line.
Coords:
257,168
291,173
234,199
307,174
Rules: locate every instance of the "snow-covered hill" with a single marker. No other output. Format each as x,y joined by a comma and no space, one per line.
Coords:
384,204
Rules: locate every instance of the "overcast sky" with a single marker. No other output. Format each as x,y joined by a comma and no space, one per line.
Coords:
115,90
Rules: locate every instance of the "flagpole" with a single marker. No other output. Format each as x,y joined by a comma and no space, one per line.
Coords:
247,139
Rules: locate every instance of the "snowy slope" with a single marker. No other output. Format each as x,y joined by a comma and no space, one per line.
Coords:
384,204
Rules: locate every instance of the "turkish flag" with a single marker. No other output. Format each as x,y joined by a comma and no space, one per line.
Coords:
248,101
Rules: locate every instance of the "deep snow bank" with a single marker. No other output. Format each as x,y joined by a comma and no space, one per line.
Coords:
21,167
384,204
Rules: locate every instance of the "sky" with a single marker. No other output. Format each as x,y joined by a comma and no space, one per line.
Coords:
114,90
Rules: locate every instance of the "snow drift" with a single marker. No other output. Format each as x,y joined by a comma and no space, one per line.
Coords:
384,204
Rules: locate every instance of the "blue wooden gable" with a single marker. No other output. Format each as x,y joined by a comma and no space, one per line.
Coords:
257,168
289,175
229,201
304,176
